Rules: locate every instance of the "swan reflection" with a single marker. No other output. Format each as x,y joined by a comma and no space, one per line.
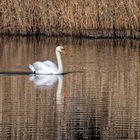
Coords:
47,81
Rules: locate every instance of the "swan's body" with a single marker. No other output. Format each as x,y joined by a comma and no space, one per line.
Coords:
48,67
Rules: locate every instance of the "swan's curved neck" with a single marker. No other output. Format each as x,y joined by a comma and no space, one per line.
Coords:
59,61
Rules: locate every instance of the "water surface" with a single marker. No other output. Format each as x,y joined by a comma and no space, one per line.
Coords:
99,98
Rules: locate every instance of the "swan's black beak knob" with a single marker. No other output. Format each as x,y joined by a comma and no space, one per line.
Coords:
63,51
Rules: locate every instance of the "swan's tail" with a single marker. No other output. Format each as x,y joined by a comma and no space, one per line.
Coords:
31,67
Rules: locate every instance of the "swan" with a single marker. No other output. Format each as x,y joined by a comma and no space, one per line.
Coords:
48,67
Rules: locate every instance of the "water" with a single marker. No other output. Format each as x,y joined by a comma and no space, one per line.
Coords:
98,98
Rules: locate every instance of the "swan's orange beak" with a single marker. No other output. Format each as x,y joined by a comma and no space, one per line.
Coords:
63,51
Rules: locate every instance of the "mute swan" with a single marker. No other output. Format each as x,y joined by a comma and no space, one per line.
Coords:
48,67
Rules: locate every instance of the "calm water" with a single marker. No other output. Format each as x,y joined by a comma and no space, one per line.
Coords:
99,99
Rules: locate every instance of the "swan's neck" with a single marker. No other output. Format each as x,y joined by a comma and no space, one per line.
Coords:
59,61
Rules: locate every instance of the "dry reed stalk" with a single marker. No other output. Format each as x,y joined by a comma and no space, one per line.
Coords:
75,17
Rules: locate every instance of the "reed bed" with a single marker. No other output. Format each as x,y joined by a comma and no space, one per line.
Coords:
74,17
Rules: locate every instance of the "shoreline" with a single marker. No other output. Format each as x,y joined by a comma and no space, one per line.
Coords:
72,36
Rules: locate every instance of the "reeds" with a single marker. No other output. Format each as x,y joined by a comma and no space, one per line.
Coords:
75,17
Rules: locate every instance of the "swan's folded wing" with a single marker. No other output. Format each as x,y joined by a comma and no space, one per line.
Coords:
50,64
39,66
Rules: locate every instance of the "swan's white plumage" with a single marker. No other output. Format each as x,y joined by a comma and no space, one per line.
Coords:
48,67
50,64
31,68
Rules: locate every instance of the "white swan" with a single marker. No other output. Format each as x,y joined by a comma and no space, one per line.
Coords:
48,67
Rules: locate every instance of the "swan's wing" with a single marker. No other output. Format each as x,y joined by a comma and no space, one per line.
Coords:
46,67
39,66
50,64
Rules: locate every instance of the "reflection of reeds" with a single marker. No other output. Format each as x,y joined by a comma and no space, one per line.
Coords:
75,17
103,99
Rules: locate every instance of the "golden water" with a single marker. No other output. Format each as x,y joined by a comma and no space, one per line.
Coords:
99,97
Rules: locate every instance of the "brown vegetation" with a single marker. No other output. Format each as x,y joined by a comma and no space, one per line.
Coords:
74,17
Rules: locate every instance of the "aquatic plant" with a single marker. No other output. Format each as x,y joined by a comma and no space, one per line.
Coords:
74,17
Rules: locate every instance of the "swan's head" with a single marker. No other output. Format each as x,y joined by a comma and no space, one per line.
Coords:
60,49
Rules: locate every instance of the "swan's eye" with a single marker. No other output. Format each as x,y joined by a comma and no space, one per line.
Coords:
62,49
